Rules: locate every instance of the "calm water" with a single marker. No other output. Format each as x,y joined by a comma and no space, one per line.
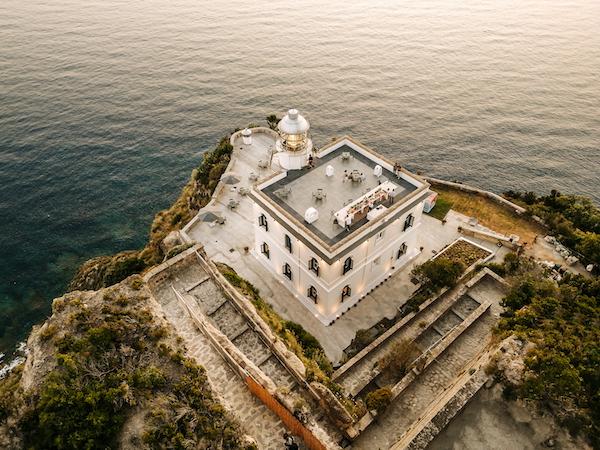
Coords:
106,107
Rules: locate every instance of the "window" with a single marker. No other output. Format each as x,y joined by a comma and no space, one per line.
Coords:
312,293
264,248
287,271
376,263
410,220
380,236
313,265
346,292
348,265
262,221
402,250
288,243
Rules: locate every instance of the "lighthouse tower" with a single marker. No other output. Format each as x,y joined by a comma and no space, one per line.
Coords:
293,145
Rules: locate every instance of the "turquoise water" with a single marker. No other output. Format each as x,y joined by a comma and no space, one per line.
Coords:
106,107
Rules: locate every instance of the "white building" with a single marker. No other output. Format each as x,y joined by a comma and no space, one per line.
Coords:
300,217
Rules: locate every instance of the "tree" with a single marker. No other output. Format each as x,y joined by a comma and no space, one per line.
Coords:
438,273
273,120
589,245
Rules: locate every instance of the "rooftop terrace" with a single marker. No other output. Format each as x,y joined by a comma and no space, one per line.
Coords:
298,191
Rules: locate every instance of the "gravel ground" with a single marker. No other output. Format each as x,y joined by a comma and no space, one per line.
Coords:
487,422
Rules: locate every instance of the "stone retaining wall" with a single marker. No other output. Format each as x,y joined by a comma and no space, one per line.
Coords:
507,241
447,405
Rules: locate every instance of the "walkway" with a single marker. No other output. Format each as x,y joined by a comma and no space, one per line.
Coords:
256,418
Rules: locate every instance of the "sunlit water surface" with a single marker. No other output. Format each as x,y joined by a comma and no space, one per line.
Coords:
106,107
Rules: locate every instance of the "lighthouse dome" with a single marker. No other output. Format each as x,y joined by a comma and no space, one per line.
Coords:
293,123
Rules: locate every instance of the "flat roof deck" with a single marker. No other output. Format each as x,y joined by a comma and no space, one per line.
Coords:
305,182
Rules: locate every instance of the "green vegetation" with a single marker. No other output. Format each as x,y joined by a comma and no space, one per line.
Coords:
179,249
573,219
273,121
562,320
379,400
443,204
111,359
438,273
213,166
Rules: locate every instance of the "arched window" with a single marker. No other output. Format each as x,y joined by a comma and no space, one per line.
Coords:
262,221
312,293
264,248
313,265
402,250
346,292
348,265
287,271
288,243
410,220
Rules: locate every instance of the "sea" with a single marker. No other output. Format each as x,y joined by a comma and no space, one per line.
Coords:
106,106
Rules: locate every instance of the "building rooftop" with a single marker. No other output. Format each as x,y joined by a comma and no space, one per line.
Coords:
298,191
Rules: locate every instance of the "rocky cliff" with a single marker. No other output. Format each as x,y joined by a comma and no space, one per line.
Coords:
107,370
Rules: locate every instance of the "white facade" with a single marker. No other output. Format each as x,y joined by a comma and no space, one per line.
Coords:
329,274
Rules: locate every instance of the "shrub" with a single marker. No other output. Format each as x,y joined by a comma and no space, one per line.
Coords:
499,269
361,340
438,273
309,343
397,361
179,249
48,332
379,400
57,305
122,269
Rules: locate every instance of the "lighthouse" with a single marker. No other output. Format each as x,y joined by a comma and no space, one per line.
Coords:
293,144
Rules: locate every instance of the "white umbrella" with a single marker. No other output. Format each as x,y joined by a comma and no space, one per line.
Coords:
231,178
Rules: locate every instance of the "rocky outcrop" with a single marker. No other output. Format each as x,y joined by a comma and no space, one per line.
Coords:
337,412
92,340
104,271
510,359
173,240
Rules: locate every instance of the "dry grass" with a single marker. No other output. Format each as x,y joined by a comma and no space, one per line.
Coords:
490,214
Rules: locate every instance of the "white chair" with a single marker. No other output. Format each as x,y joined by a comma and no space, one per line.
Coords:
329,171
